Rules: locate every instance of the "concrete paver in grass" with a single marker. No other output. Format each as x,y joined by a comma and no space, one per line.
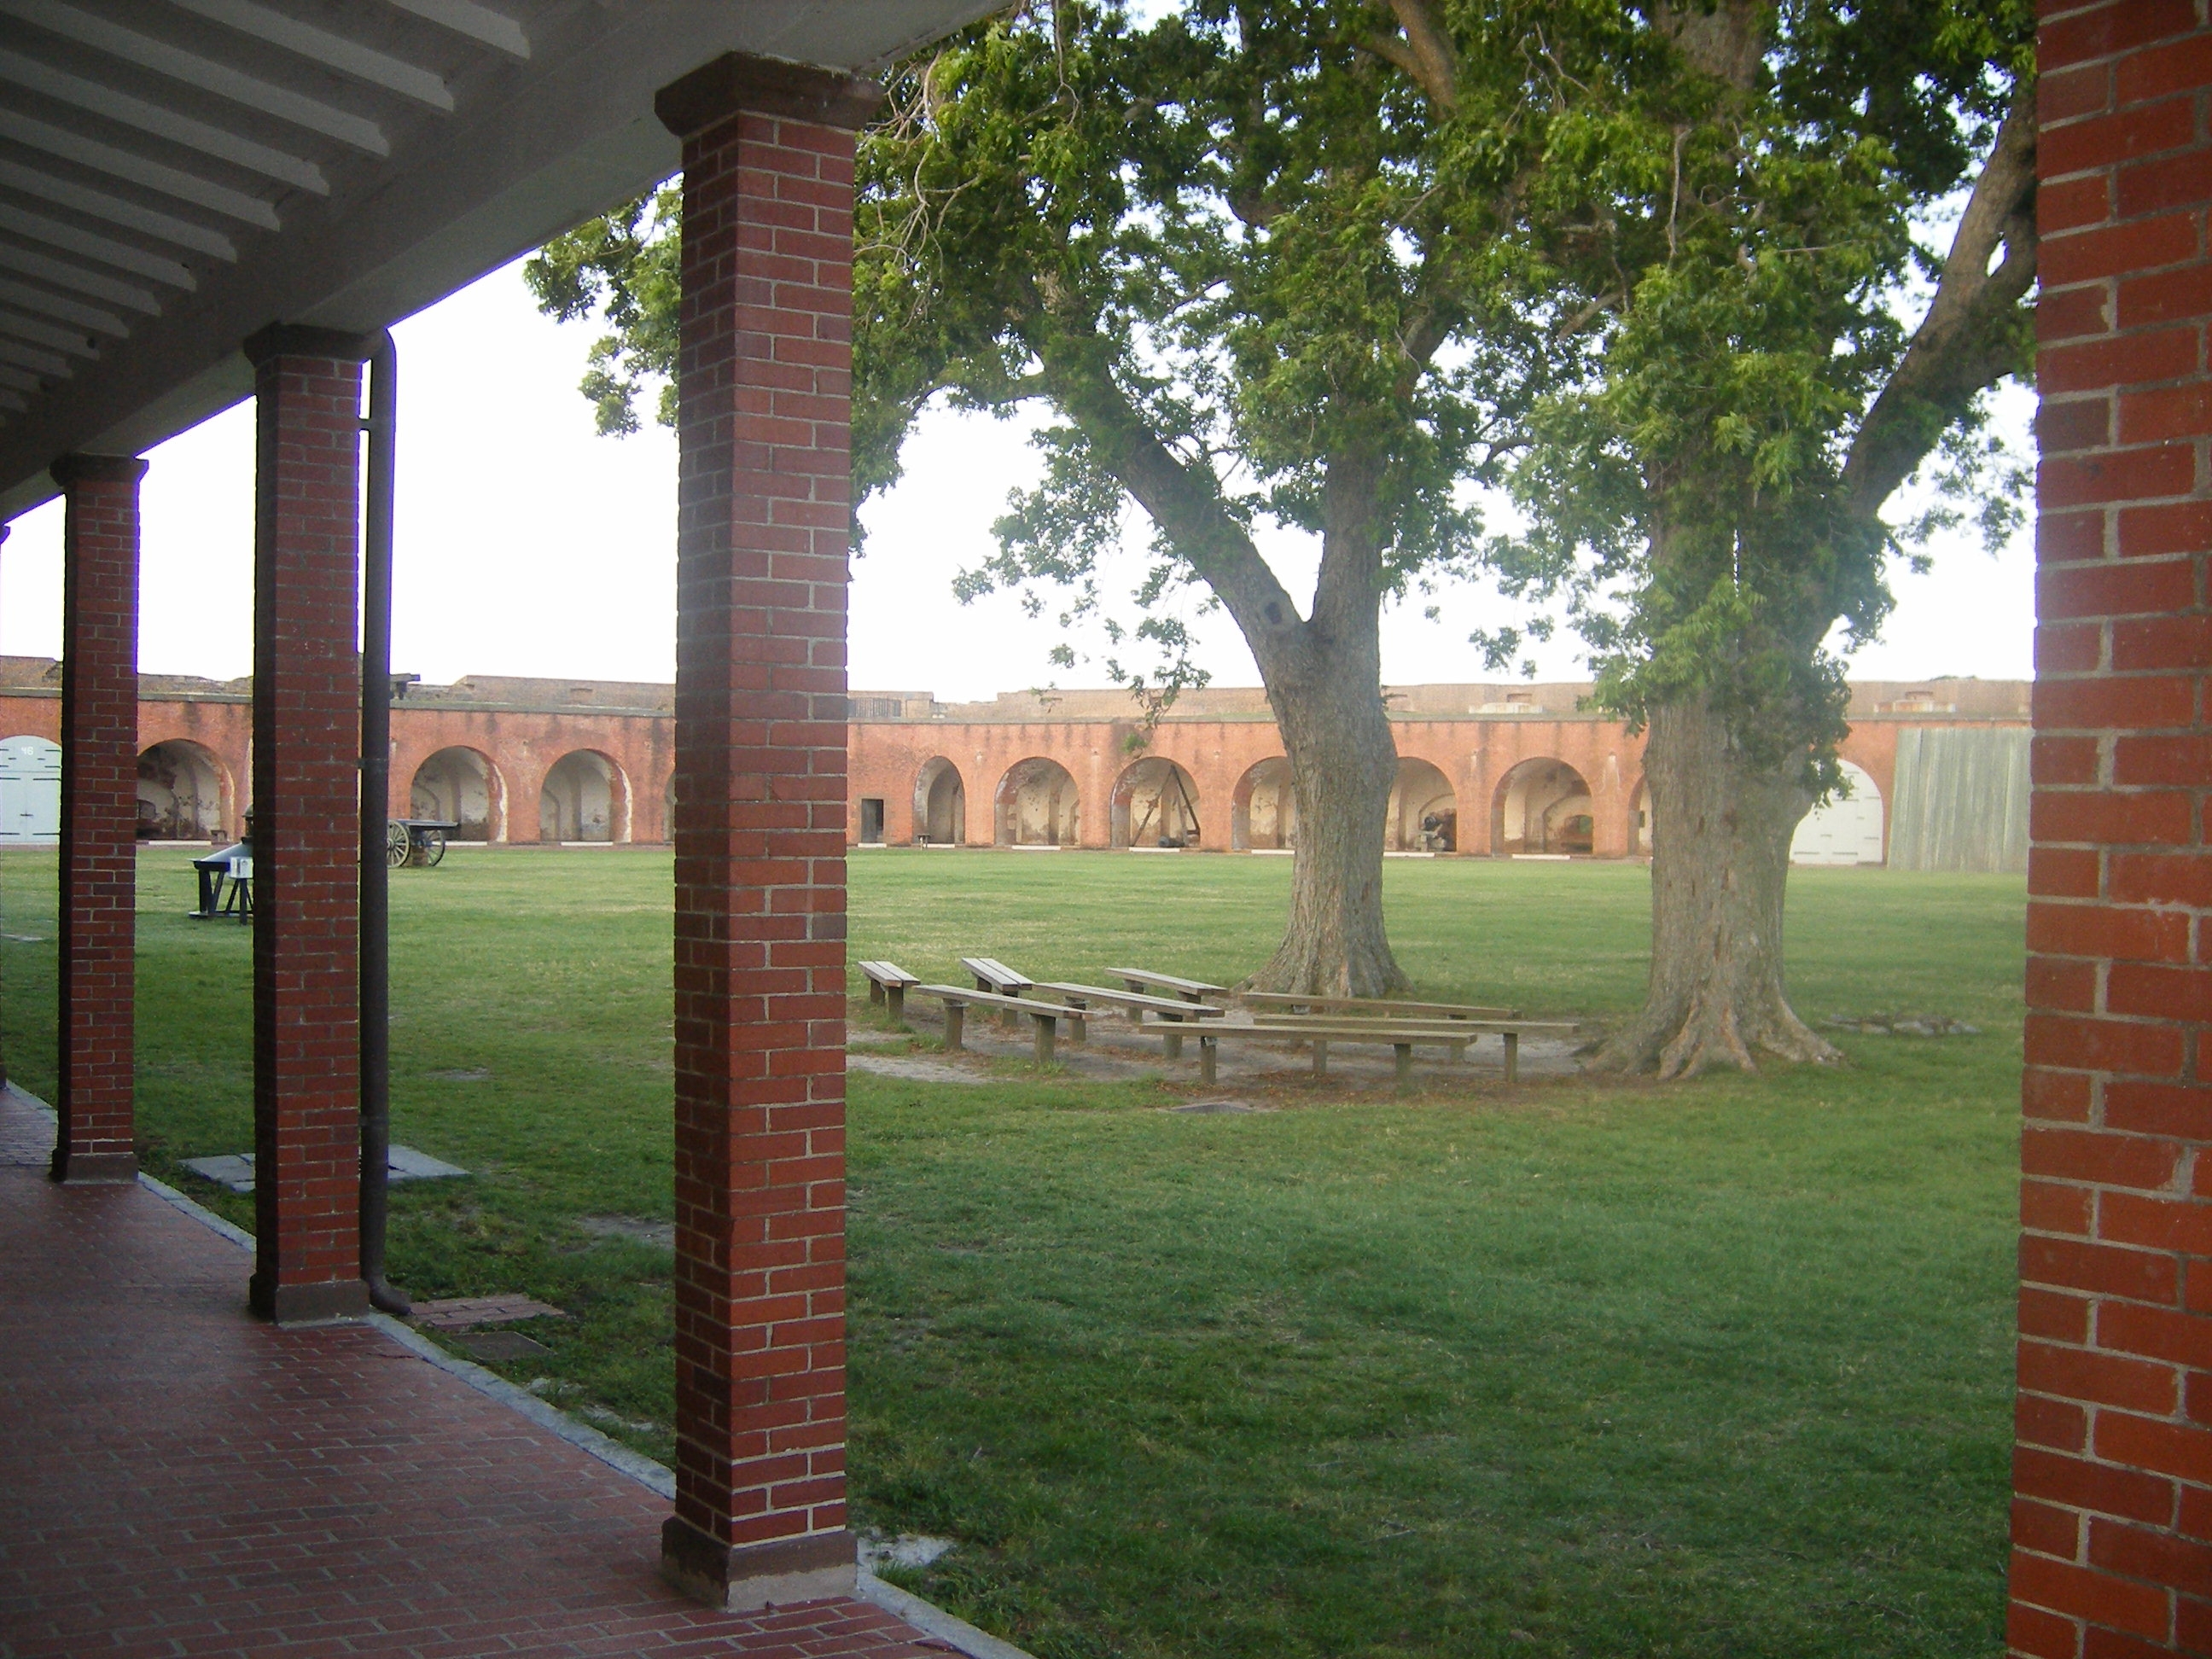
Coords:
236,1169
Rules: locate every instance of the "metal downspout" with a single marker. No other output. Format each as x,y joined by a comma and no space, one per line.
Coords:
382,426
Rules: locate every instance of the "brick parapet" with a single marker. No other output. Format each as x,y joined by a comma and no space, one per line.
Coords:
306,742
98,901
2112,1516
520,743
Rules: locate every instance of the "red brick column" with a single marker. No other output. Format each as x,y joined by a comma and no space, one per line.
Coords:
307,827
764,489
2113,1515
100,818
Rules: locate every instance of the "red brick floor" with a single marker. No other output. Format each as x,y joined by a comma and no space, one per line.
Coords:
176,1478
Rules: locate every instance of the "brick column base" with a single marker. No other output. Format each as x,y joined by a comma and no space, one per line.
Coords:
96,1058
745,1577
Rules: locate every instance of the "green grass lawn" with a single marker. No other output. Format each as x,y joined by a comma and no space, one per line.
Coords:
1720,1369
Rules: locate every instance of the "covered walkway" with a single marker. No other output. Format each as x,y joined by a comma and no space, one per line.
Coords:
183,1479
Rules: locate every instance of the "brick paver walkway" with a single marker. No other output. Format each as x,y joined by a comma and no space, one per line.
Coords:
178,1480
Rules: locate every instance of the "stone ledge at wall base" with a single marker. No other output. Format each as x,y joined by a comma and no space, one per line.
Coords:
746,1578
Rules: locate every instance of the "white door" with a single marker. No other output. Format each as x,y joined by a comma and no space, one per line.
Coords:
30,790
1846,831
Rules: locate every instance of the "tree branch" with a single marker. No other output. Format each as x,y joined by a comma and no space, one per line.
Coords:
1179,498
1965,342
1426,54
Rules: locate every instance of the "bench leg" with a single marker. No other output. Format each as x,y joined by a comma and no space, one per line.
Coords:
895,996
1208,1052
1458,1053
1404,1053
955,1017
1079,1027
1512,1056
875,991
1046,1024
1321,1058
1171,1044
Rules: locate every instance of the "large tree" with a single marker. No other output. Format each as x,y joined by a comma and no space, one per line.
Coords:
1777,355
1257,264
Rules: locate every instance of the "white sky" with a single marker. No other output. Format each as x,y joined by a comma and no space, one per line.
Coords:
527,545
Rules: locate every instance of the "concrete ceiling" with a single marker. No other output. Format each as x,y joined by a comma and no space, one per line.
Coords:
175,174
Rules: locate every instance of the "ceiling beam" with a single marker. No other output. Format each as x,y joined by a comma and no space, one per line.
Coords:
123,164
74,23
15,351
321,46
77,280
45,334
37,227
56,304
67,192
120,106
495,29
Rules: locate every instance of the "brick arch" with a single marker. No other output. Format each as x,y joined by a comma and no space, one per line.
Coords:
1550,787
1268,782
1419,795
160,774
940,803
1037,803
494,823
1154,799
574,790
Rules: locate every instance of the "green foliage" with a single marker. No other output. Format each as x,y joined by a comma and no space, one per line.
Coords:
1253,274
1737,230
624,266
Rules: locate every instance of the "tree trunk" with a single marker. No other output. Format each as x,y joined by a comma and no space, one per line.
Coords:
1343,765
1721,828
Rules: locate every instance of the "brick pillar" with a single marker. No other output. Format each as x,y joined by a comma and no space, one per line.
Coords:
100,818
764,486
2112,1511
307,827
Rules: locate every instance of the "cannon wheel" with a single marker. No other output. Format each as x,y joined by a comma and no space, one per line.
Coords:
396,844
433,846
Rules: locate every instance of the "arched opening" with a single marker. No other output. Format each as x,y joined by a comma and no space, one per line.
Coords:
461,786
1035,805
1640,819
1424,815
940,804
30,790
1154,804
179,793
1543,807
585,797
1263,813
1846,831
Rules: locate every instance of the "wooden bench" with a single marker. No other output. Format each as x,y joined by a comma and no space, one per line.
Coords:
888,982
1189,990
1135,1003
993,975
1378,1007
1402,1036
957,998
